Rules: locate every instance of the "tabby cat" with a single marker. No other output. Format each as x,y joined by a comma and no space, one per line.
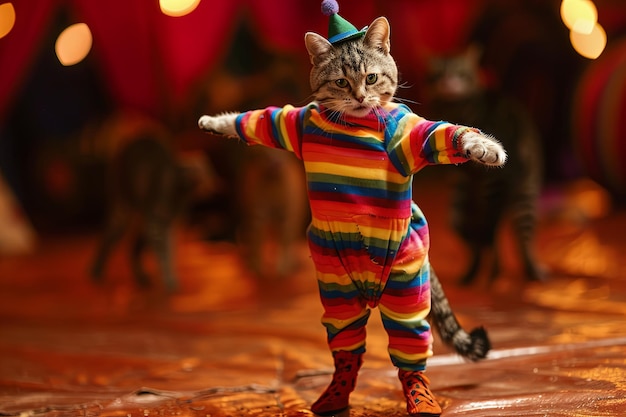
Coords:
148,189
483,197
368,239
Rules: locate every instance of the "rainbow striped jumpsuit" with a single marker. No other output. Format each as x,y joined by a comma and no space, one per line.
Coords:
368,239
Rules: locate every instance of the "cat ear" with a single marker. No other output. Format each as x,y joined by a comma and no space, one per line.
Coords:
317,45
377,35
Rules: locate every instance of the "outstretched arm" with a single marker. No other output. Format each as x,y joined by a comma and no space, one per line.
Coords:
419,142
273,127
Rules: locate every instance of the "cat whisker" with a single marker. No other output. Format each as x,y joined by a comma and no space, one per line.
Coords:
332,114
381,116
335,112
330,111
405,100
307,100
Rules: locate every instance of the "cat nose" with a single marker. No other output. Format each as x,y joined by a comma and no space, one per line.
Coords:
360,99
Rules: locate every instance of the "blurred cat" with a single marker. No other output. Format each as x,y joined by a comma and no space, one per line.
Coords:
274,212
484,196
148,189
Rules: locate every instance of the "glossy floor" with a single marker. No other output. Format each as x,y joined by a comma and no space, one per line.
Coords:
232,345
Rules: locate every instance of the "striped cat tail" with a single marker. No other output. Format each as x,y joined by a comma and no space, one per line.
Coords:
473,346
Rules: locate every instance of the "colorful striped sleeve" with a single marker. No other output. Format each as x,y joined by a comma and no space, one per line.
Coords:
418,142
273,127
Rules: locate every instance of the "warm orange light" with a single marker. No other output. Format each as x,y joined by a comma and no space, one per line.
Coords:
7,18
178,8
591,45
73,44
579,15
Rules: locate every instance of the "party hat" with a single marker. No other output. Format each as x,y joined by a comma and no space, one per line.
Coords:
339,29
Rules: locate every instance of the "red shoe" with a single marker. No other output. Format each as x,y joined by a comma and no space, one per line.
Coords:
420,401
336,398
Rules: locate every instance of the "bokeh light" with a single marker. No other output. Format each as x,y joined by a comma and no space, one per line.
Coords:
73,44
579,15
177,8
7,18
589,45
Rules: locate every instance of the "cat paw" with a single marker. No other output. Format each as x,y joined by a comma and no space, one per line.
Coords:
221,125
484,149
208,124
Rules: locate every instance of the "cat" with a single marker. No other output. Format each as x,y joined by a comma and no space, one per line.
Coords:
367,238
272,211
148,189
482,197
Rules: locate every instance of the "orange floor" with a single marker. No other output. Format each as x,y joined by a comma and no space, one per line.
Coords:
231,345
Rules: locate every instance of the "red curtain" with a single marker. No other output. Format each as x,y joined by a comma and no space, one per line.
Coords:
18,46
150,61
126,49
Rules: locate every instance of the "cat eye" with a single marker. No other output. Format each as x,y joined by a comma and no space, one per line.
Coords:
371,79
342,82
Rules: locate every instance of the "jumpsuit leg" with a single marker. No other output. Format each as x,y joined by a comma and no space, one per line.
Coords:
404,306
345,313
345,309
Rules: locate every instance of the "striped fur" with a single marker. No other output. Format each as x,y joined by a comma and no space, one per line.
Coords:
353,61
149,188
474,345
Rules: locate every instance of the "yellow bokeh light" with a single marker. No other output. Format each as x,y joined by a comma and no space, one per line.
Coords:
178,8
591,45
7,18
73,44
579,15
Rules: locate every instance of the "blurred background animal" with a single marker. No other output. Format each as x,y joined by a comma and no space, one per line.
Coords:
265,207
484,197
149,187
273,212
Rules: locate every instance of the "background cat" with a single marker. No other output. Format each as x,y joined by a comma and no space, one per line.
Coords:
264,208
484,197
148,189
273,212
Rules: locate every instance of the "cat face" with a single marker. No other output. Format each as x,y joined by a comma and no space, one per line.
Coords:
354,77
455,77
